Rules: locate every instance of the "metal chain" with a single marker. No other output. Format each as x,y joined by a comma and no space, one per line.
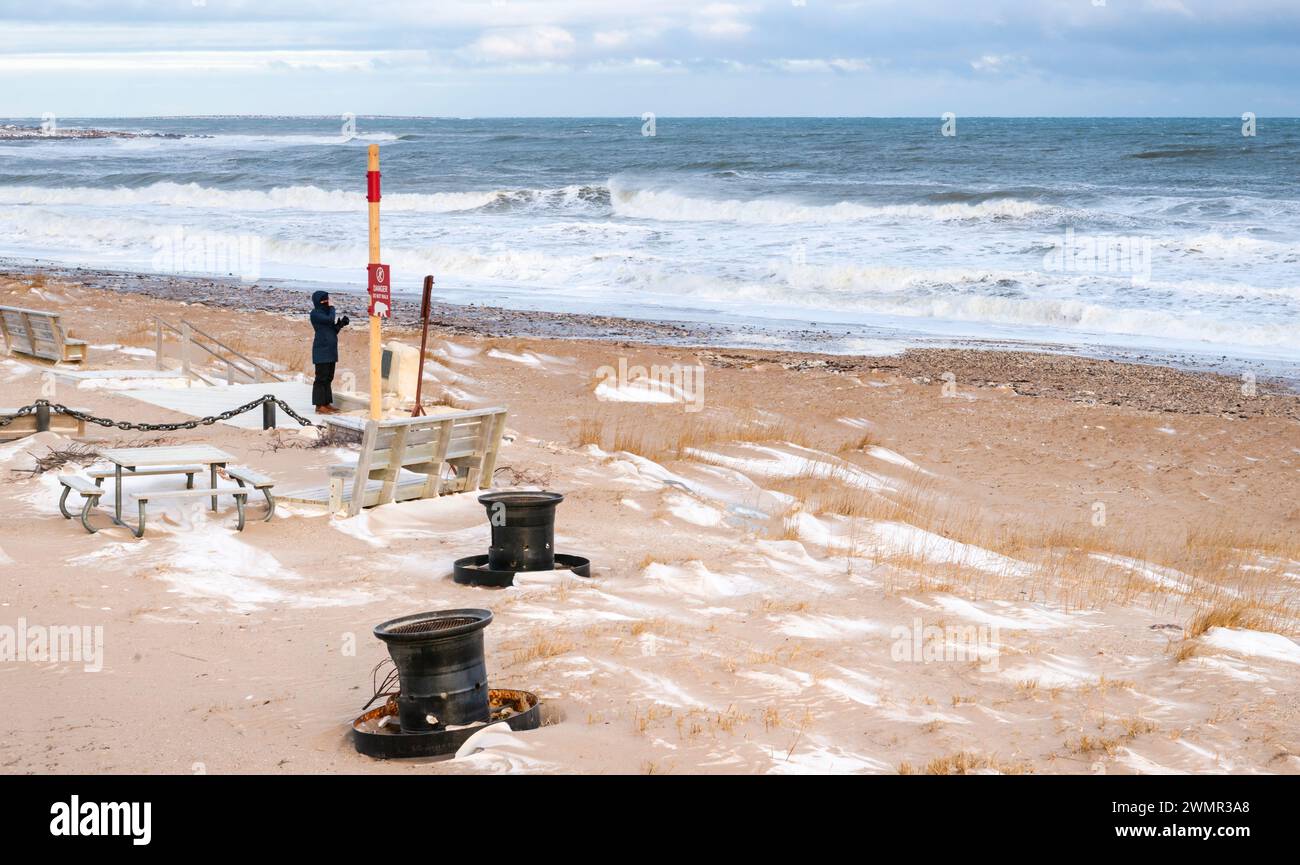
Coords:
58,408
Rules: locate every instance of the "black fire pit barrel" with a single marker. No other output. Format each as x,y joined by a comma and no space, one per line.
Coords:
523,530
440,665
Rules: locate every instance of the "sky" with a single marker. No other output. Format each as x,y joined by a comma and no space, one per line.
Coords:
480,58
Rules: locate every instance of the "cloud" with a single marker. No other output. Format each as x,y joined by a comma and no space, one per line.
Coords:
721,52
529,43
836,64
998,62
720,21
611,38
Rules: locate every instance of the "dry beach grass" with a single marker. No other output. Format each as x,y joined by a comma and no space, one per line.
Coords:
754,563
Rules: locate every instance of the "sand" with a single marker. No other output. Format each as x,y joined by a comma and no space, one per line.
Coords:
838,564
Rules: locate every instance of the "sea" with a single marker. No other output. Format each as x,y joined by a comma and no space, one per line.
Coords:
849,235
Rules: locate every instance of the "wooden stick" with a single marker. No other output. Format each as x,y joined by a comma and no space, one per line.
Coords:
376,375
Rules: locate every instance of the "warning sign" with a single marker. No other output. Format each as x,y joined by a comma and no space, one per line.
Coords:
381,298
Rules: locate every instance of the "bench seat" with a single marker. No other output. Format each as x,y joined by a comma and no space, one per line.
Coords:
89,492
189,471
190,494
143,498
243,475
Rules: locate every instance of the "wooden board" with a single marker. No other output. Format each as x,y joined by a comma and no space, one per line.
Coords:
461,443
167,455
404,491
38,333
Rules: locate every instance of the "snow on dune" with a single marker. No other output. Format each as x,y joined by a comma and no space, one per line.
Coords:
792,461
1012,617
1253,644
527,358
695,580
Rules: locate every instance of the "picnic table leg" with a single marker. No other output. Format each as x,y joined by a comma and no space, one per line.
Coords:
213,473
85,515
117,494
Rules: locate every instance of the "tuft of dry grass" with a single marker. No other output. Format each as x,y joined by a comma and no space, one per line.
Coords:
1132,728
542,646
590,431
1239,614
966,763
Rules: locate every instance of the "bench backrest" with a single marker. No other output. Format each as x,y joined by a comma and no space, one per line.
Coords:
465,442
32,331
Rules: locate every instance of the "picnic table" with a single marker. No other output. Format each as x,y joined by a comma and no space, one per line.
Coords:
126,460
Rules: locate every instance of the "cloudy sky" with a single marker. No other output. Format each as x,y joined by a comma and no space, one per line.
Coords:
624,57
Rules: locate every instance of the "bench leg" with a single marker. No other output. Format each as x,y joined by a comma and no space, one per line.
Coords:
189,480
336,495
213,485
139,529
270,504
239,508
85,514
63,503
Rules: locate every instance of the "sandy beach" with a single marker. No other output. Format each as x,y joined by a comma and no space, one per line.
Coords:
941,561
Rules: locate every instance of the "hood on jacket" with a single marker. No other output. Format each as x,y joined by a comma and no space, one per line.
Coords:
318,299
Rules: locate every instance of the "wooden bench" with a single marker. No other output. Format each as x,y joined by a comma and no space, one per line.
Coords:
258,481
240,494
89,492
39,334
449,453
98,475
59,422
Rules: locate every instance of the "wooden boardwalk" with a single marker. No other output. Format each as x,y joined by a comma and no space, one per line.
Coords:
206,401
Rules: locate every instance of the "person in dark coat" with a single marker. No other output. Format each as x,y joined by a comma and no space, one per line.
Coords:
324,350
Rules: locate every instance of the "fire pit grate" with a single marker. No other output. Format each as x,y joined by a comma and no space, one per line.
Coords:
429,626
441,624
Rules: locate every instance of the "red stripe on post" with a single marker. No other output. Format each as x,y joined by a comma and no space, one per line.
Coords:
372,186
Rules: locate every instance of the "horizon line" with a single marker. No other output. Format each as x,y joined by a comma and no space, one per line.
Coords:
261,116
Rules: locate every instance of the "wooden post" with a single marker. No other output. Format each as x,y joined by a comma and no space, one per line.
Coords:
376,376
185,347
418,410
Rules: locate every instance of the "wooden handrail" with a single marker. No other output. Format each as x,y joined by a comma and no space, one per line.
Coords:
230,365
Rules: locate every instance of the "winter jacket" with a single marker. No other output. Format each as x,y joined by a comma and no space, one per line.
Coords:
325,346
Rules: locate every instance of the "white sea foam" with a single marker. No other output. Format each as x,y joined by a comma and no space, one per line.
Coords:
672,206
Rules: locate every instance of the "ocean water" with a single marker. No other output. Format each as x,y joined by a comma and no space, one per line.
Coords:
1161,234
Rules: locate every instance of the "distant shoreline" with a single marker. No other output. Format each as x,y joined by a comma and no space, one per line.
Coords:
9,132
1139,381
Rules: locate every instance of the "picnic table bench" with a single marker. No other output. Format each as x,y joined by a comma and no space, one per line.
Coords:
38,333
90,494
189,460
142,499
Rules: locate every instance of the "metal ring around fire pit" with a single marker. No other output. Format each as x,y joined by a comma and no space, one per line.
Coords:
474,570
520,710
